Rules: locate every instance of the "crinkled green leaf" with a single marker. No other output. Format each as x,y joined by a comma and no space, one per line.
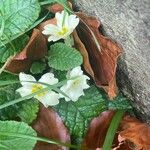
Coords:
38,67
17,16
62,57
28,110
77,115
8,139
61,75
120,102
7,93
12,48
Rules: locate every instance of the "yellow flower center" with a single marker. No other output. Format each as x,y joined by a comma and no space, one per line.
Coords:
37,87
76,83
63,31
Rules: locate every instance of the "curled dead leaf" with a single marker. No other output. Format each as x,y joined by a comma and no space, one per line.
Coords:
34,50
57,7
104,61
132,134
136,132
97,131
50,125
86,63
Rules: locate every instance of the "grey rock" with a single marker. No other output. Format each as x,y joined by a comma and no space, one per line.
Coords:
128,22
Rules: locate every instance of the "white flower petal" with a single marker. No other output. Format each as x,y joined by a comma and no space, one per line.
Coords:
65,90
54,38
50,29
59,17
73,94
49,99
66,21
26,77
24,91
74,88
65,25
73,21
75,72
49,79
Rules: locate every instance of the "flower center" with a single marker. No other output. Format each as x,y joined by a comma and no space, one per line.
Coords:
76,83
63,31
37,87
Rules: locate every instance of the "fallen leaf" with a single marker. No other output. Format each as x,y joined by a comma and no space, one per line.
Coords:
34,50
136,132
55,8
97,131
50,125
132,134
78,44
103,61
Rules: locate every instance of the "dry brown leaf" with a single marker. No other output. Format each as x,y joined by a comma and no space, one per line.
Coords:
136,132
50,125
78,44
97,131
132,134
34,50
55,8
103,62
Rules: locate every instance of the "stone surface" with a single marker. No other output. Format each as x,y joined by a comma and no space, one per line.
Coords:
128,22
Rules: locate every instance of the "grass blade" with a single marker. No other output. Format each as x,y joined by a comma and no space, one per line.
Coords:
112,129
17,135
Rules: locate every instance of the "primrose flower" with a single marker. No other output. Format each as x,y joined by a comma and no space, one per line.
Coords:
64,27
47,98
76,83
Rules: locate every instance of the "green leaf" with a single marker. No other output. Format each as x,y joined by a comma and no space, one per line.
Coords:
17,16
77,115
28,111
8,140
7,93
61,75
28,29
120,102
19,136
38,67
12,48
69,41
62,57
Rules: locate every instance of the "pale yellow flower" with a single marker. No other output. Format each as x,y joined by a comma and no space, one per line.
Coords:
65,25
74,87
47,98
